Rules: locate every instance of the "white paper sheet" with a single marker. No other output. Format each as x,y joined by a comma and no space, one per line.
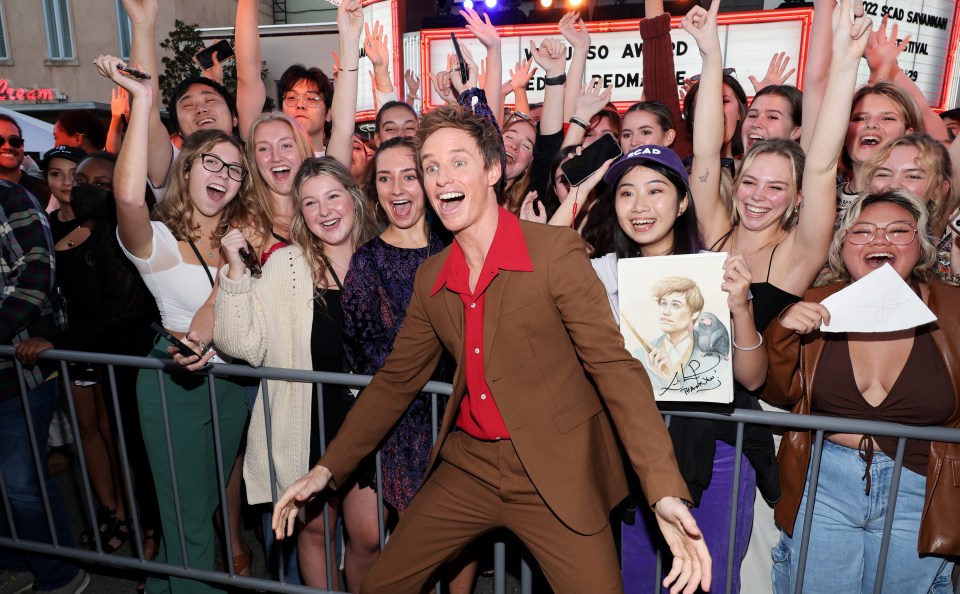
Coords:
878,302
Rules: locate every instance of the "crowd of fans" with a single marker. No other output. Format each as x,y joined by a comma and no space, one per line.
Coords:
284,239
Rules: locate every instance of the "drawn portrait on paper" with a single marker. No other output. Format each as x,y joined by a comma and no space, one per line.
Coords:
675,320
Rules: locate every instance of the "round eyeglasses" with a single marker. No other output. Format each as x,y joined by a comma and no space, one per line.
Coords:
897,233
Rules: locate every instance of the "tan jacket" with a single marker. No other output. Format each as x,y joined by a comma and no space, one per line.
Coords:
547,333
792,370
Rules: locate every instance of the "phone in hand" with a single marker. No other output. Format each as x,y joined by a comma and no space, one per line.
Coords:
133,72
181,346
222,49
461,63
582,166
955,226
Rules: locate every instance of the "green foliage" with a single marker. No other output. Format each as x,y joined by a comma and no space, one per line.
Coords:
183,43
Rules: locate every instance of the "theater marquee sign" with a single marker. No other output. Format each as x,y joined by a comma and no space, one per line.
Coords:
748,39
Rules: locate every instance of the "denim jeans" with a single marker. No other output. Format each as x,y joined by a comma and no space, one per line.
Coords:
23,488
844,548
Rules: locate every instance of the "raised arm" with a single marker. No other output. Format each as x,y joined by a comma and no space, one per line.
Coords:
592,99
130,178
552,57
119,110
659,71
574,30
818,62
881,54
519,78
708,133
251,92
344,108
807,244
377,50
143,54
485,32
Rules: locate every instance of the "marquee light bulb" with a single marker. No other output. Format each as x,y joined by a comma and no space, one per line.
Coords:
546,3
490,3
468,4
576,3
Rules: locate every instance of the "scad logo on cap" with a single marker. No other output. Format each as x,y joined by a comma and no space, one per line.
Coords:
645,150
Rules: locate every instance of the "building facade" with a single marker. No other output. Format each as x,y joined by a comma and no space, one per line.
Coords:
47,47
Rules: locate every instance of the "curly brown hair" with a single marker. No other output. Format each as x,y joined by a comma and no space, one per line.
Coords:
176,209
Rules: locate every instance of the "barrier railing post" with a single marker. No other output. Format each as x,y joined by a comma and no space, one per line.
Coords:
131,507
328,554
81,455
815,455
526,575
222,476
499,567
34,449
734,502
888,520
381,528
277,548
165,414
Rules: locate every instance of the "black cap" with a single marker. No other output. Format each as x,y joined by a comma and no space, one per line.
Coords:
70,153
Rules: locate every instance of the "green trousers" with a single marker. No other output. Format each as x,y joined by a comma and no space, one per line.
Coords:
194,457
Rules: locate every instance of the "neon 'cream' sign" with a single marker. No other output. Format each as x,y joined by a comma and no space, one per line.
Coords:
10,93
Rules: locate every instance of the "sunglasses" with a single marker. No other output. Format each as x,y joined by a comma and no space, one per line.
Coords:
249,258
14,141
517,115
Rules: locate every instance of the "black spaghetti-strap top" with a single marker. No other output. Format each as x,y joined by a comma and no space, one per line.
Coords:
768,299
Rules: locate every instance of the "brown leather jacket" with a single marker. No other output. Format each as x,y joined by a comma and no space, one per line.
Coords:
792,369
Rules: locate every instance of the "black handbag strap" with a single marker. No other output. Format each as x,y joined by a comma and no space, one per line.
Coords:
203,263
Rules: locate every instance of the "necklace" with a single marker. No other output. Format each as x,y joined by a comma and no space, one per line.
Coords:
733,243
71,243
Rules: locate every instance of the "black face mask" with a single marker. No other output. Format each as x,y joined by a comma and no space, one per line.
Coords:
90,202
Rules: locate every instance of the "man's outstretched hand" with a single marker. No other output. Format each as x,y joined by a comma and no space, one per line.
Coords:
295,496
692,565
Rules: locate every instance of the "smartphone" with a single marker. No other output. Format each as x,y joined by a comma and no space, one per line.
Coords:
579,168
181,346
955,227
249,257
222,49
461,63
133,72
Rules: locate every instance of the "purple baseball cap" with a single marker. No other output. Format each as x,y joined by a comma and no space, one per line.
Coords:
649,153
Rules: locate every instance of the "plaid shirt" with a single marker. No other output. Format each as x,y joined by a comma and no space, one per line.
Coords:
27,281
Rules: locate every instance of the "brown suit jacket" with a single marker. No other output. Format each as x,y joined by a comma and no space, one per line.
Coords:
792,371
547,333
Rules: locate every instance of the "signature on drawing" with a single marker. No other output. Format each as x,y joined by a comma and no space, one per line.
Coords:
887,307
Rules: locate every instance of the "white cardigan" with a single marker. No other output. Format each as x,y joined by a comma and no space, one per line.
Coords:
268,322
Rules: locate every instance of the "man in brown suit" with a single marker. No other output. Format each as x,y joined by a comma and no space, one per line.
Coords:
526,442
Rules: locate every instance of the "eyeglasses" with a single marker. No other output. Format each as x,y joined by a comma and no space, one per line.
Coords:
14,141
897,233
215,164
311,100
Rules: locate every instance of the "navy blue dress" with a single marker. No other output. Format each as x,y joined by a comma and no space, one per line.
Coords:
377,291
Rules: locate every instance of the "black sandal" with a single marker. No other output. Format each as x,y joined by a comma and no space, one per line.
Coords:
86,539
116,530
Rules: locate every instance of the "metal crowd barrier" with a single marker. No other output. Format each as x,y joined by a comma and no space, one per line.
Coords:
818,424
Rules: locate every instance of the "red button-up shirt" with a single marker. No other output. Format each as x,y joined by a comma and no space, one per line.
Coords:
479,416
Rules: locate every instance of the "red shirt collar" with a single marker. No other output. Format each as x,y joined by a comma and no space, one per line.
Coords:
508,251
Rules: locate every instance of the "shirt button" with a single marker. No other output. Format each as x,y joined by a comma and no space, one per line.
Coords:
483,396
476,351
473,305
